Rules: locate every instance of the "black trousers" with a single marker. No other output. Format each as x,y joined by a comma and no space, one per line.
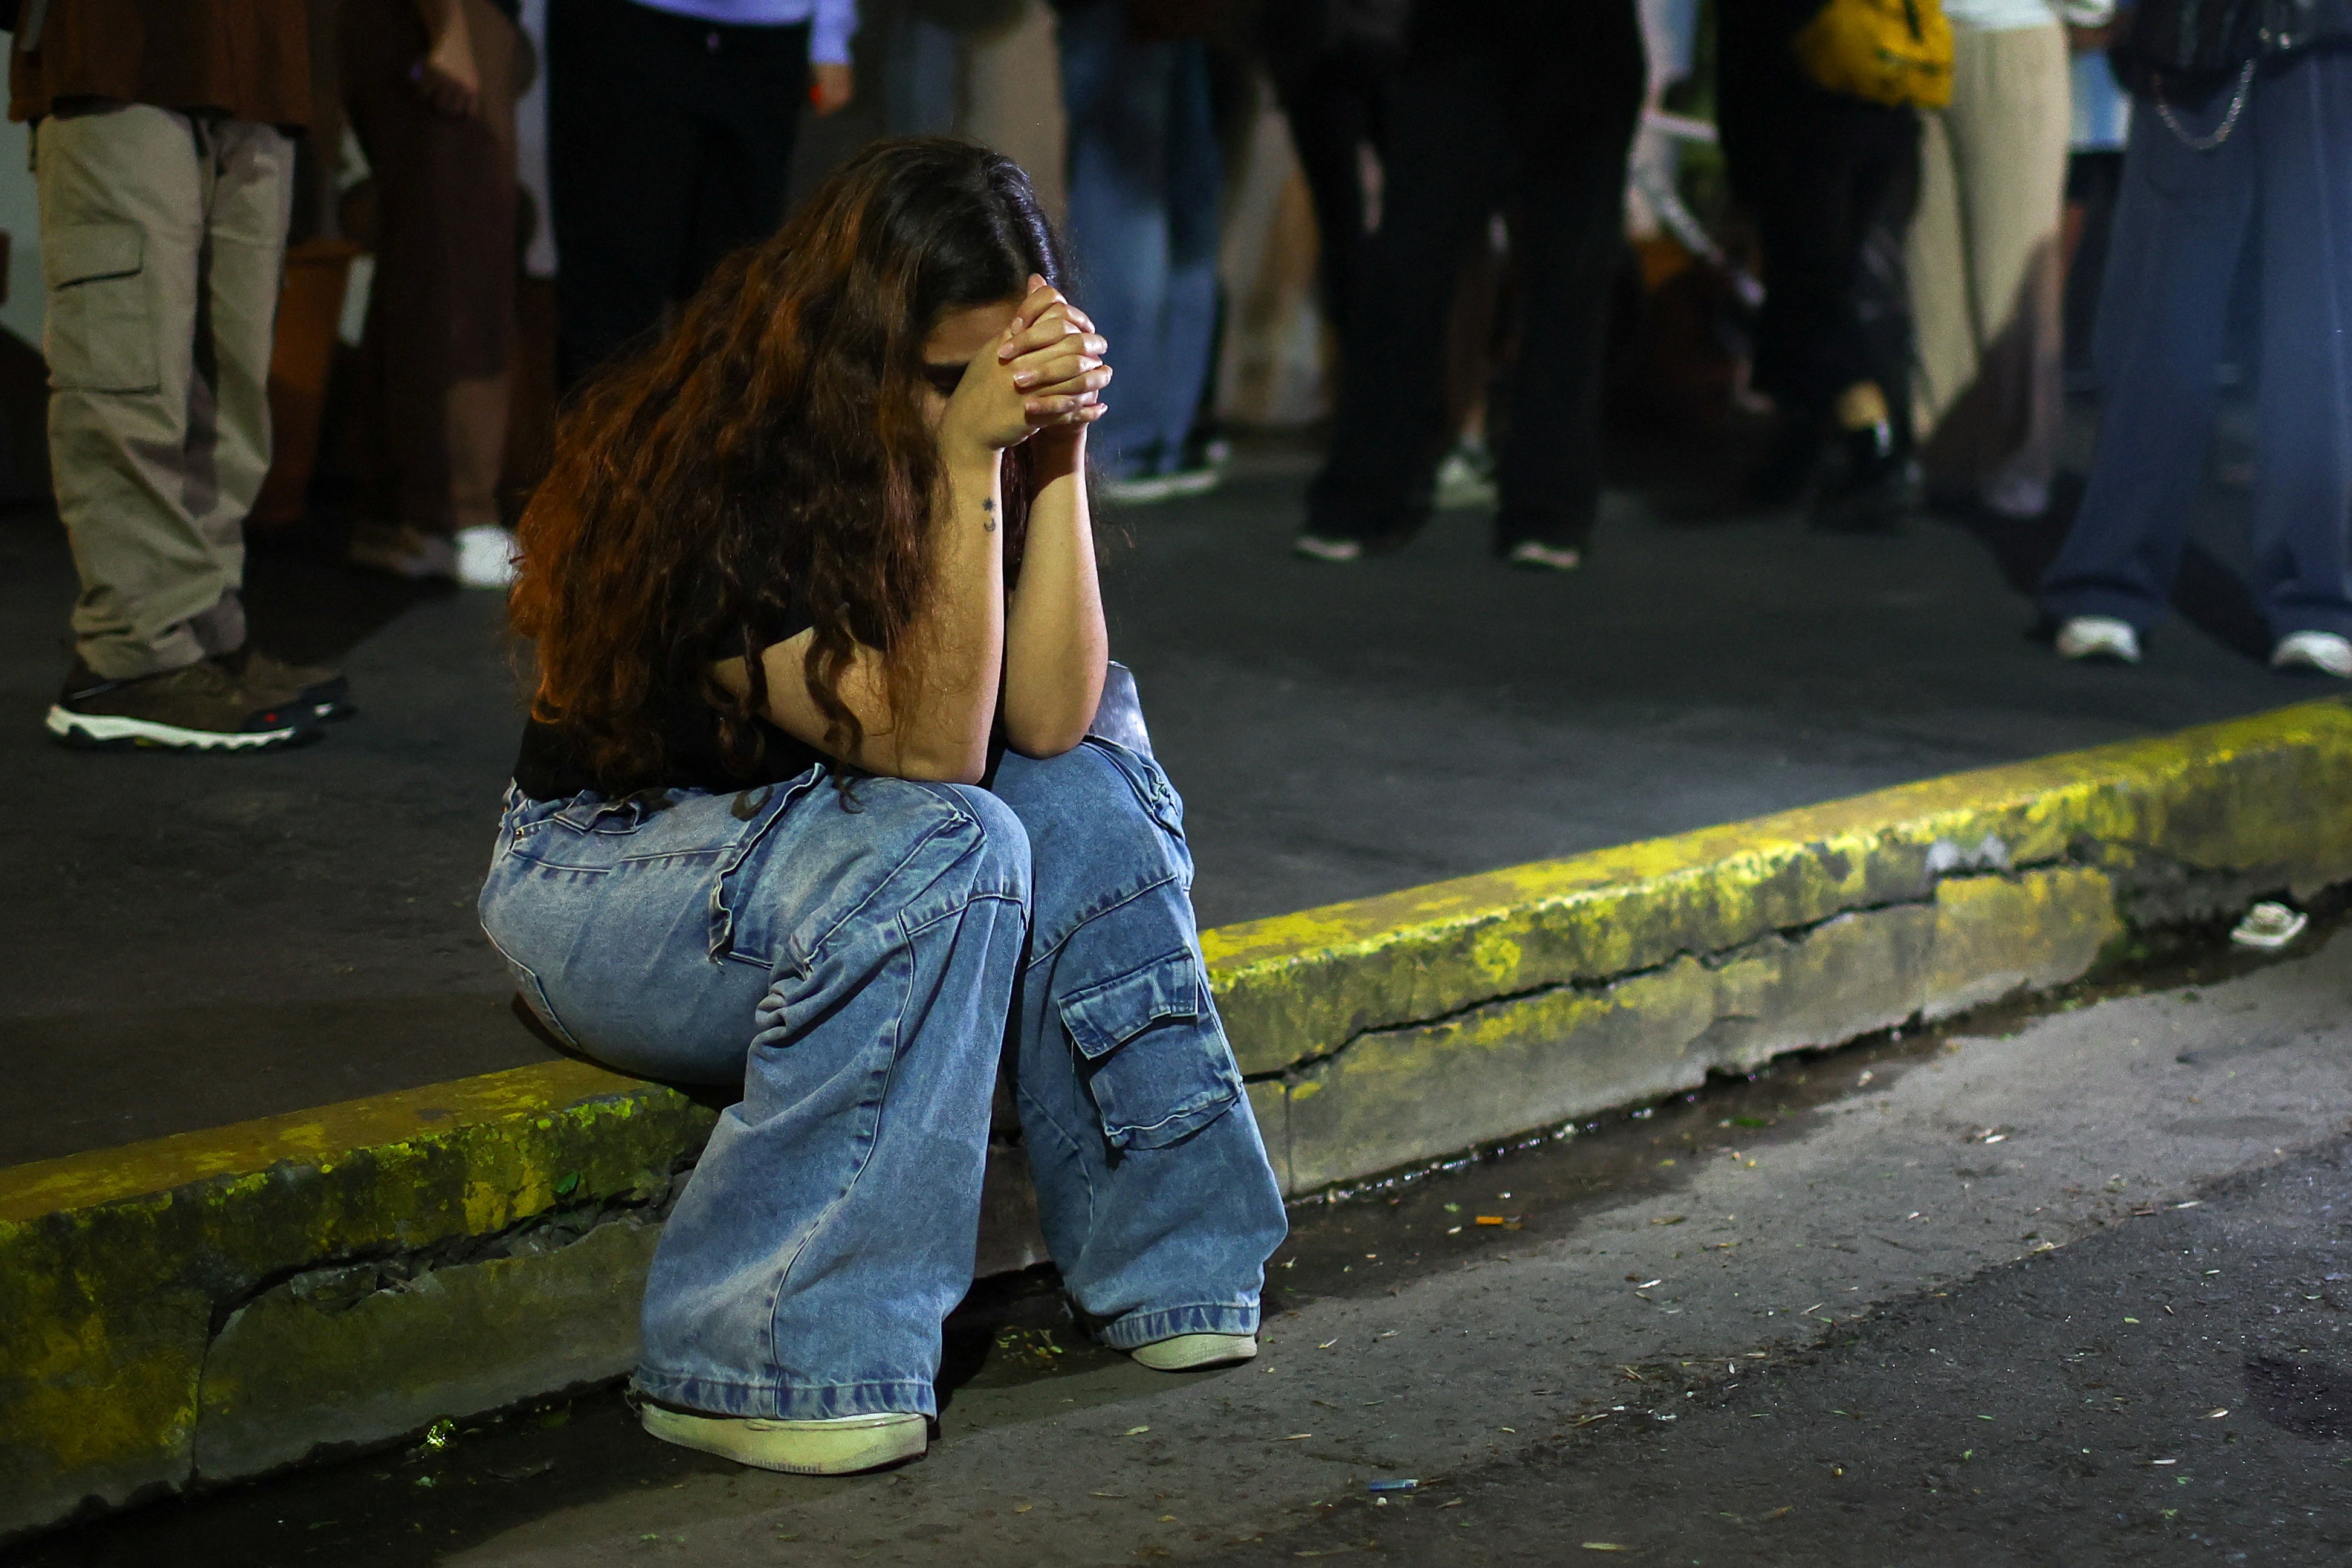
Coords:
669,144
1831,181
1523,104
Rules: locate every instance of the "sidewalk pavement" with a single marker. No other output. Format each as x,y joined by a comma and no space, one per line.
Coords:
197,941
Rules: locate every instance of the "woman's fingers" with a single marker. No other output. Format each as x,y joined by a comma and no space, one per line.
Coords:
1064,358
1083,385
1058,319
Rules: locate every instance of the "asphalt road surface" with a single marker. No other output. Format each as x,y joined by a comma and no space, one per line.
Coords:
2067,1284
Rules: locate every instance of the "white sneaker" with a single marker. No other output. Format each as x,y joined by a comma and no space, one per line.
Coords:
1193,1353
836,1447
403,551
2323,651
1316,547
1465,480
2099,637
1141,490
1542,557
486,556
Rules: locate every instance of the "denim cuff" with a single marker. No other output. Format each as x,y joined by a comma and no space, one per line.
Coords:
804,1402
1147,1328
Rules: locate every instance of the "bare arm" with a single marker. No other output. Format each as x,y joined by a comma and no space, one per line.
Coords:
1054,645
447,76
936,724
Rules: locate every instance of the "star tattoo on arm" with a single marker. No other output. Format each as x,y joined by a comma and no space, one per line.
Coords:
988,522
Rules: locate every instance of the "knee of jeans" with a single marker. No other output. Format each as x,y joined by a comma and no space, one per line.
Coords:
999,861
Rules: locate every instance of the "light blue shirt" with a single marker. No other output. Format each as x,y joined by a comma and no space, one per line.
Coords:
830,21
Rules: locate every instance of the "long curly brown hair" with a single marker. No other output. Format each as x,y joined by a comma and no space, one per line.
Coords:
772,446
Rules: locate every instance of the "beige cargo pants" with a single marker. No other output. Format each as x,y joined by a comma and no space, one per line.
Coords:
162,237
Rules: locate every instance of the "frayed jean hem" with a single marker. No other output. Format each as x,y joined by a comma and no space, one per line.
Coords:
804,1402
1149,1328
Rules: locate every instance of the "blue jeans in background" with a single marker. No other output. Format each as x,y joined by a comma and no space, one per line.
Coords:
1145,183
2182,219
862,963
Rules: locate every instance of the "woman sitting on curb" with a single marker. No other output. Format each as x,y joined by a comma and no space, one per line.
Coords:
808,799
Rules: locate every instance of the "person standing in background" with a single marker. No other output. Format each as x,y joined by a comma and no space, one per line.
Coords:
431,85
163,156
670,126
1146,182
1830,179
1523,102
2254,146
1985,255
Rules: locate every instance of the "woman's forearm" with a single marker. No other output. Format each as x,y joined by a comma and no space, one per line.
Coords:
1054,643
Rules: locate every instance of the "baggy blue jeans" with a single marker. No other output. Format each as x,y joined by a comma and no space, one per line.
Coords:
2180,224
863,962
1146,185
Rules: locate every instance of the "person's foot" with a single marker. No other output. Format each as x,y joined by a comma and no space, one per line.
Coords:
2324,653
486,556
1135,489
1871,485
1327,547
840,1447
201,706
1196,1352
396,549
1786,475
324,693
2099,639
2015,496
1535,555
1465,480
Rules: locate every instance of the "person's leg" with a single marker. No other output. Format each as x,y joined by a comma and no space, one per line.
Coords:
1195,197
1936,254
1577,92
441,309
1328,107
855,967
1445,154
624,139
1156,1199
757,85
122,196
2301,125
2009,127
250,200
1117,93
2180,222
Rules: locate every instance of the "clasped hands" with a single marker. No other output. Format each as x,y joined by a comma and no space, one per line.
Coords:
1043,378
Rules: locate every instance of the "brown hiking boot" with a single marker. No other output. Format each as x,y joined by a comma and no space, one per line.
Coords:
199,708
325,694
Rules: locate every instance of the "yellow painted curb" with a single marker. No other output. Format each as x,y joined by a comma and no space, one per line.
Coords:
165,1309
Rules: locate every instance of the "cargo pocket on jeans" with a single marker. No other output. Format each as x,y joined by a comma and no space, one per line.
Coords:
1156,1061
98,333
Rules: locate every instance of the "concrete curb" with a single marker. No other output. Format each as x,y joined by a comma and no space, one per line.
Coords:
223,1304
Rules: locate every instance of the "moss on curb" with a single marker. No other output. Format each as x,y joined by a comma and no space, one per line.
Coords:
1525,994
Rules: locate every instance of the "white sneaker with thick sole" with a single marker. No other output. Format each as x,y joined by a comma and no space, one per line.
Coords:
1194,1352
1316,547
1538,557
2323,651
2098,638
840,1447
486,556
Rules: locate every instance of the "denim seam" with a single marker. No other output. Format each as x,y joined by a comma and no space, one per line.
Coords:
1110,908
816,948
865,1157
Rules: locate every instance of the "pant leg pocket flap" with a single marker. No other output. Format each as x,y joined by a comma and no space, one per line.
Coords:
1156,1062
